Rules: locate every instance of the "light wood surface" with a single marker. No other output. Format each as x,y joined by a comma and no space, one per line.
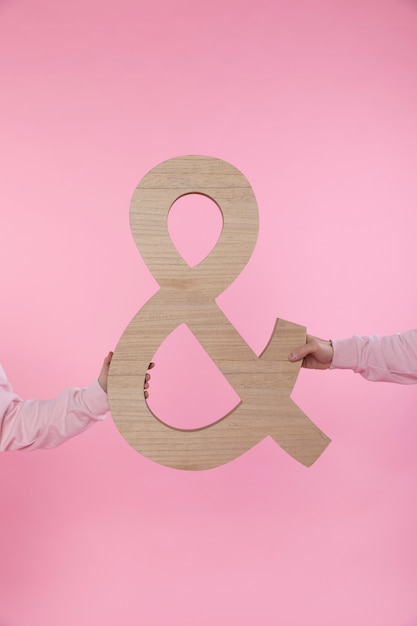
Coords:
186,295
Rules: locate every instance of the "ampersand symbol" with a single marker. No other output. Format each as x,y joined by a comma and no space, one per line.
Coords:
187,295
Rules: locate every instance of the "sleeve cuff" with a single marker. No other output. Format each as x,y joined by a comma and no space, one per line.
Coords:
345,355
96,399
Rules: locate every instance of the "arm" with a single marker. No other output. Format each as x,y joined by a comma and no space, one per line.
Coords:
391,359
30,424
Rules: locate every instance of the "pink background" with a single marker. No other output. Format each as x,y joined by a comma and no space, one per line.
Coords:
315,102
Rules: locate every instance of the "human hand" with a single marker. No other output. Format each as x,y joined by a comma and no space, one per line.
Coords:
104,374
102,379
146,383
316,353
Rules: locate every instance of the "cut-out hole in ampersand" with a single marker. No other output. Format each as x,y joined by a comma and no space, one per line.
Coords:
188,389
187,296
194,224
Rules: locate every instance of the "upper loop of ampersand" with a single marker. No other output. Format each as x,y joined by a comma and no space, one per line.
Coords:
214,178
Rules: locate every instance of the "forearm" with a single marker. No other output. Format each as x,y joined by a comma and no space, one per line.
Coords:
30,424
391,359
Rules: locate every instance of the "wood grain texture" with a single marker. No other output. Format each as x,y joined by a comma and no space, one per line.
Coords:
187,295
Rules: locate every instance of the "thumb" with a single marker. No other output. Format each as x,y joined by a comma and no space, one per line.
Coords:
299,353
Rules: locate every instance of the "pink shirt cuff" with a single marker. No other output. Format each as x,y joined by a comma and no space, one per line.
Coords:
96,400
345,355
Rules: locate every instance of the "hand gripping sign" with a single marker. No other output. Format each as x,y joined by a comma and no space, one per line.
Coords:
187,295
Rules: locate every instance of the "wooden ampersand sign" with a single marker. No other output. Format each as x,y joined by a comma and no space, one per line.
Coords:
187,295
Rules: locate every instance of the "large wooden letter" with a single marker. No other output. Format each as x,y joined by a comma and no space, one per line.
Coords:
187,295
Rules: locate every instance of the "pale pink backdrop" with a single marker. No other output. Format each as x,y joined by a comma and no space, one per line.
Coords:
315,102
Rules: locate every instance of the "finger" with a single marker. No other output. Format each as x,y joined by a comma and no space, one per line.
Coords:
146,394
301,352
151,365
